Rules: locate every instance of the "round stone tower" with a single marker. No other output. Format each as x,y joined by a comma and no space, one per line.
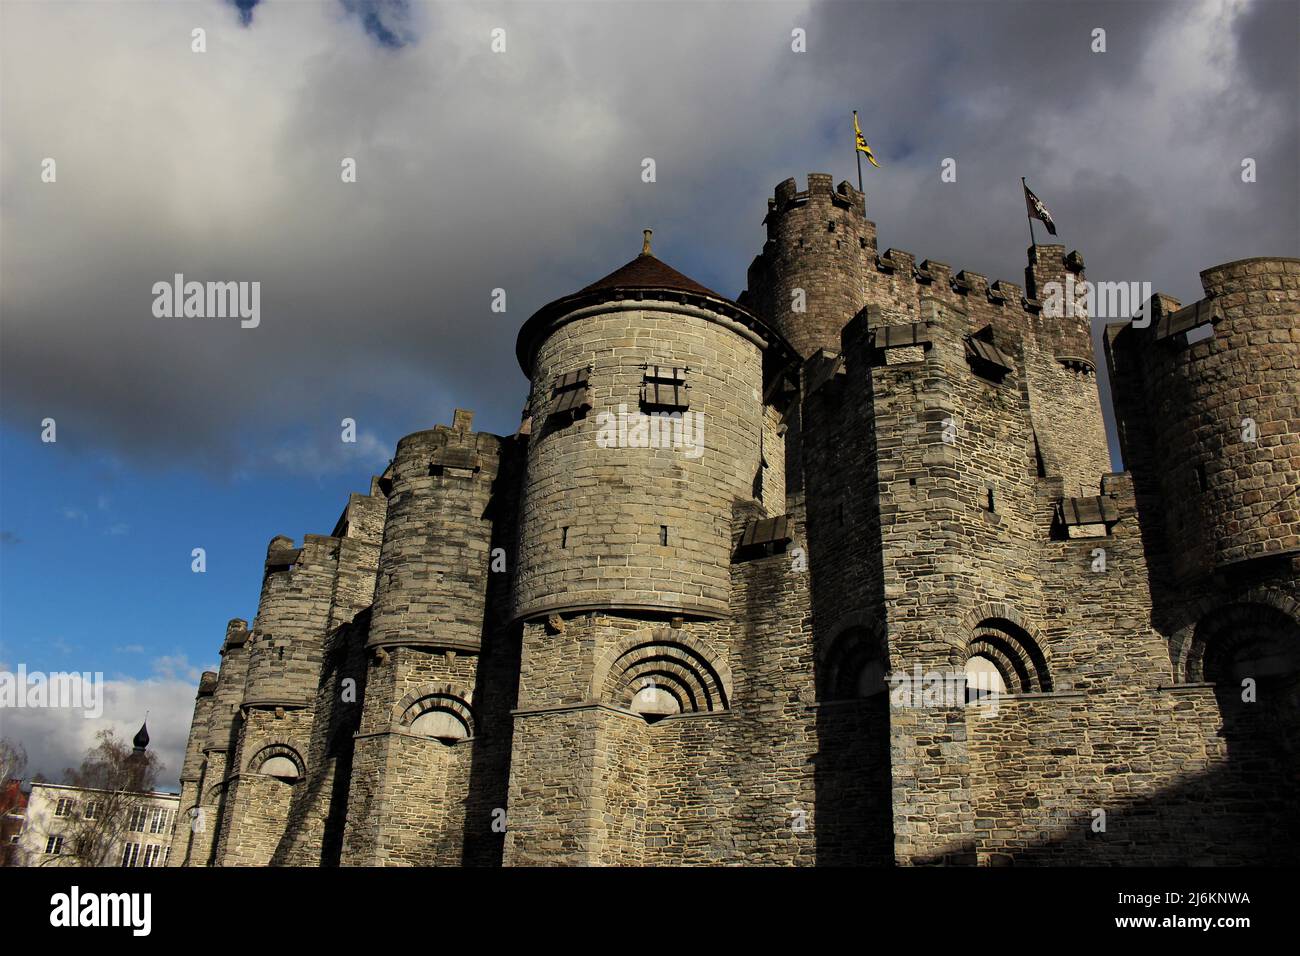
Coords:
646,415
223,722
435,562
809,279
1245,419
284,652
1220,411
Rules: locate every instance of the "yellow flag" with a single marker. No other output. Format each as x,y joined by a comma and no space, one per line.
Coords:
862,141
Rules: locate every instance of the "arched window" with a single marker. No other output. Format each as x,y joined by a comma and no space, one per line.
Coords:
983,678
661,674
437,712
653,702
1012,652
440,724
281,767
1243,641
279,761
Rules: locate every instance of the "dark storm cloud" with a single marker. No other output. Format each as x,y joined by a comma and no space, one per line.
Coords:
521,171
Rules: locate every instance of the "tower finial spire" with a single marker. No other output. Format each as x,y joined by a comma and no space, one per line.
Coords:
645,242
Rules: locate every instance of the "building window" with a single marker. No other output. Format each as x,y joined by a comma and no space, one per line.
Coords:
764,536
137,819
152,855
902,344
130,854
987,360
663,534
665,387
92,810
54,845
442,725
63,808
564,537
570,393
158,820
280,767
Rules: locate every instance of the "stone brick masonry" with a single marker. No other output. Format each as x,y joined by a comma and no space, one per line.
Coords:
870,593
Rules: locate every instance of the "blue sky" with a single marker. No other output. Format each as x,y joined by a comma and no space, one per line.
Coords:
519,170
100,576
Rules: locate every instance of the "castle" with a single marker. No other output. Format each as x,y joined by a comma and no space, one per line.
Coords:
577,645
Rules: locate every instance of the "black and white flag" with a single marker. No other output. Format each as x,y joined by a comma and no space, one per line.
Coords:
1037,210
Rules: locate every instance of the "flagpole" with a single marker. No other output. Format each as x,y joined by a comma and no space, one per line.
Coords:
1025,191
856,152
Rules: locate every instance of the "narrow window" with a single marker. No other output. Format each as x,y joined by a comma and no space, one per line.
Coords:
663,534
986,359
1200,476
664,387
564,537
992,504
570,393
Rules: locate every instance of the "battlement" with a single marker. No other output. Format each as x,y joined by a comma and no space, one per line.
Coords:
787,196
236,633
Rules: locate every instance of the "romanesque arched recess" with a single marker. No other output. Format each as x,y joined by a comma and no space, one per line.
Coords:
671,661
273,751
1002,635
445,697
1227,634
1188,637
856,642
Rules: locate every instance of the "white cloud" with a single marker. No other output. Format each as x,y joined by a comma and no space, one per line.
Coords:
58,738
329,454
177,667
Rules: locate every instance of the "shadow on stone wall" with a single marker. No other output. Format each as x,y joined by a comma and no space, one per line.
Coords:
1244,812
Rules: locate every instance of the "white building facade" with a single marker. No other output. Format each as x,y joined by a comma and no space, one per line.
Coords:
56,813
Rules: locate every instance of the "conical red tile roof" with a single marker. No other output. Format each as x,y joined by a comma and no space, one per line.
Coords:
648,272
